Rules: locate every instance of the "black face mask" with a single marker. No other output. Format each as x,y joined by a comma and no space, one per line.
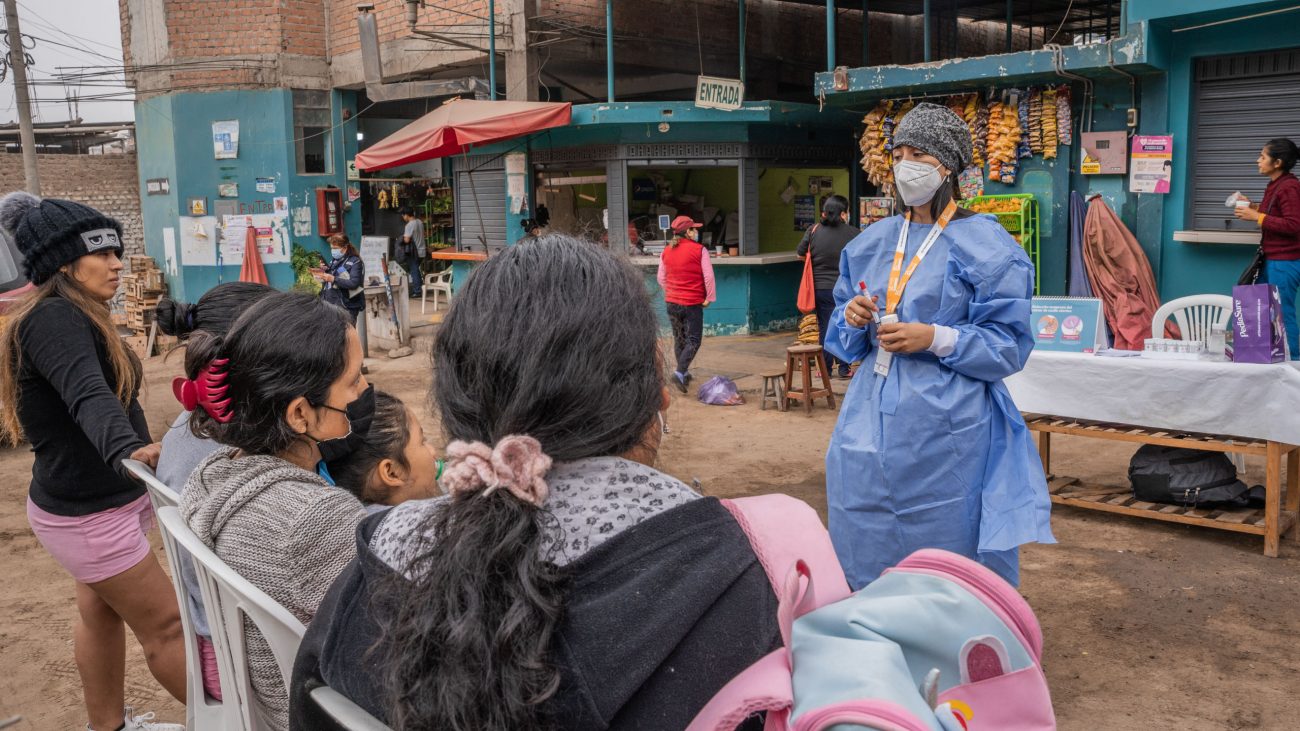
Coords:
359,413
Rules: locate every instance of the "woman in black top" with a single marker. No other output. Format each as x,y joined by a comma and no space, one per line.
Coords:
827,241
69,385
344,278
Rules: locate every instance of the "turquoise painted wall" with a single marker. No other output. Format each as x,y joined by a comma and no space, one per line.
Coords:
174,136
1167,9
1204,268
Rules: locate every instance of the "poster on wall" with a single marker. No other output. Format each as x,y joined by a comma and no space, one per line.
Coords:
1151,169
270,231
373,251
265,185
805,212
228,190
198,241
225,139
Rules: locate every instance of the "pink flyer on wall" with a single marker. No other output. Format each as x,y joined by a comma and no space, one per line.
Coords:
1152,166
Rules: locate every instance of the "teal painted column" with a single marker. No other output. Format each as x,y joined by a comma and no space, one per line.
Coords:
830,35
742,41
609,50
492,48
866,35
925,35
1011,46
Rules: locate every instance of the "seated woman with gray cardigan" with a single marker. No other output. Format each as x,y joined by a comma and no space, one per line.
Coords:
274,392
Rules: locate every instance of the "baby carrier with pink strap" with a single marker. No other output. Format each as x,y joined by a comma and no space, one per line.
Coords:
938,643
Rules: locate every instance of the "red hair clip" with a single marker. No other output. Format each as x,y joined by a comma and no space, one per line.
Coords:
207,390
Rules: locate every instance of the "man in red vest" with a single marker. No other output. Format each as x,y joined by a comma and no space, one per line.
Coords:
686,276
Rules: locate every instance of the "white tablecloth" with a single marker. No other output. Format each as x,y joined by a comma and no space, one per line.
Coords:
1236,399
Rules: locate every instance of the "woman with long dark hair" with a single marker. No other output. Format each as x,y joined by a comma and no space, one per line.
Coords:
69,386
215,312
1278,217
930,451
826,241
564,582
276,394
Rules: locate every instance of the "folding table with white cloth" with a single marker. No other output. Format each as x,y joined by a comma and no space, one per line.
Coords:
1235,408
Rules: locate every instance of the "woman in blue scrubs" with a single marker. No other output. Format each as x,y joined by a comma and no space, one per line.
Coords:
930,451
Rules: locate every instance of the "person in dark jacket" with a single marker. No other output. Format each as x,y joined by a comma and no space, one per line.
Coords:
827,241
69,385
1278,217
563,582
344,279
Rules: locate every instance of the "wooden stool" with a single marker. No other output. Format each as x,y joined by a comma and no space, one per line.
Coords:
807,356
774,390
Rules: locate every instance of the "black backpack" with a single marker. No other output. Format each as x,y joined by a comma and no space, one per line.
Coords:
1188,477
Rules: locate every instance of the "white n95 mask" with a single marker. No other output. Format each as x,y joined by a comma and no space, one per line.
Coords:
916,182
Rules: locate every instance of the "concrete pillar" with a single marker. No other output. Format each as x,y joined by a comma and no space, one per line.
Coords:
521,62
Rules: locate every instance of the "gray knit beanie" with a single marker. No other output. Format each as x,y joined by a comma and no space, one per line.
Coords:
52,232
936,131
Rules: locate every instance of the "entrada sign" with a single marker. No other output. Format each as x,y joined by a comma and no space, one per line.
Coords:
712,92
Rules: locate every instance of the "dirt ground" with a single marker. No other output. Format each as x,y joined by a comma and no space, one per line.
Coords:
1147,625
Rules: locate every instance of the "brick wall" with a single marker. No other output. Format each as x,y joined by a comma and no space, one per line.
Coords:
108,183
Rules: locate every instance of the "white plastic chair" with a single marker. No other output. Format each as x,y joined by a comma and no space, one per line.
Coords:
346,713
202,713
1195,315
230,598
438,282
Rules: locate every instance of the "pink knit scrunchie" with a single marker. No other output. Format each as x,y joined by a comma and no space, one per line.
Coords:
517,463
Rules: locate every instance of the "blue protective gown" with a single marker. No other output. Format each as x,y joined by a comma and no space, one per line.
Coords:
936,455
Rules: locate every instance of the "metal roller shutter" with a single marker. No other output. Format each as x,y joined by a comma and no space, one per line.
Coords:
1241,103
480,203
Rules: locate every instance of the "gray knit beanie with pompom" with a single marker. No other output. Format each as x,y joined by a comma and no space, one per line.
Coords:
52,232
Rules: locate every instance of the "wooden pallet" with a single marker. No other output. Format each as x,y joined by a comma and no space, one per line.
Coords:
1272,521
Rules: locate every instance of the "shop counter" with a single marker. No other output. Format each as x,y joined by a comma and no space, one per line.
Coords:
1233,408
784,257
755,293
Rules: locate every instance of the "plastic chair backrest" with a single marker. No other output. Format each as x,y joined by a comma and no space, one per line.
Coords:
207,714
1195,315
230,598
347,714
159,494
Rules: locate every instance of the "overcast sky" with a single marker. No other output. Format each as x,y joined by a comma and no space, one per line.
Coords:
70,33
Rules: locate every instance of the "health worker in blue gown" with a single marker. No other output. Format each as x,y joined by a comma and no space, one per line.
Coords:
930,451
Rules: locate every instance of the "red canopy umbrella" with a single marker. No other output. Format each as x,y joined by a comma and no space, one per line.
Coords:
456,125
252,269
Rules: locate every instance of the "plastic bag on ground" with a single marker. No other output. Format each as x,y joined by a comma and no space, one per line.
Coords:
720,391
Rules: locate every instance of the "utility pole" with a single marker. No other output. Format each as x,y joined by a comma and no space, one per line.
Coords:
18,63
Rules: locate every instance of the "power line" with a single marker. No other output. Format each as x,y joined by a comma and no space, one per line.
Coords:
57,29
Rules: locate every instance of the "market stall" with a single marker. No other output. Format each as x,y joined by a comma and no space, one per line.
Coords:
1234,408
1007,126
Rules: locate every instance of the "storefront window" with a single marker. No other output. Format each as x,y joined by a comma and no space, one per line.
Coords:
312,131
709,194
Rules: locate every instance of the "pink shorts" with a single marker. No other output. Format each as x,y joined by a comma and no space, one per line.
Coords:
208,662
98,546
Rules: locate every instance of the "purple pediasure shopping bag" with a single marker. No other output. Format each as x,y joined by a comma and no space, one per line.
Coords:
1258,335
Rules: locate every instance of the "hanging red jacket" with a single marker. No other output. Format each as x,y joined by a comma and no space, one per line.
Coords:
1121,276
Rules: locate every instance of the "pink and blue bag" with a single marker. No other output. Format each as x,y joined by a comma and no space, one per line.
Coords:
937,643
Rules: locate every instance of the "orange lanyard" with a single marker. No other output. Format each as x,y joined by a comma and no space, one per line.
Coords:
898,278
